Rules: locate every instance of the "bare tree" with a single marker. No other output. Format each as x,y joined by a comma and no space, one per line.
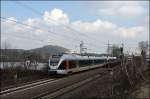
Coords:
4,53
6,45
115,50
31,60
143,47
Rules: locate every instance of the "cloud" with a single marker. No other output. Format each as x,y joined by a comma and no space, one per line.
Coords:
59,17
36,28
130,11
39,32
49,30
124,9
10,25
9,22
95,26
145,22
109,28
55,16
130,32
11,18
32,22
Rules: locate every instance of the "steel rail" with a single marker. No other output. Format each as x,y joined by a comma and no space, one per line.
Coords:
69,88
25,86
22,84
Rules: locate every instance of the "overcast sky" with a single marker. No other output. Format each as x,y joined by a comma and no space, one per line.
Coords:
66,23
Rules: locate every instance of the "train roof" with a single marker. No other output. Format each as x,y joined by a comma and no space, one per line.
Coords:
80,57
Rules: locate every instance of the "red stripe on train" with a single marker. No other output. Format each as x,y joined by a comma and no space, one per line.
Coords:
66,64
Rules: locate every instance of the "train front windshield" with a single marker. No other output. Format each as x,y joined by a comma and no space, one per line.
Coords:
55,60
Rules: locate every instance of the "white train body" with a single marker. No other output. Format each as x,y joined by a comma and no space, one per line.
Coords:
70,63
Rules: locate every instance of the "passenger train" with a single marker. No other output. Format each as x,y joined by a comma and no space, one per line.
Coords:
71,63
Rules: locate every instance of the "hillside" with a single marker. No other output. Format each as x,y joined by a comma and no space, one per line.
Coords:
20,54
49,49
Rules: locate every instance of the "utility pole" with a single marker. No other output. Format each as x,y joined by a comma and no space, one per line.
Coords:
121,49
82,48
108,48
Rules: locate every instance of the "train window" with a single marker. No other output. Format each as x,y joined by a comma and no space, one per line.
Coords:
54,62
56,56
90,62
86,62
77,63
97,61
100,61
80,63
83,63
72,64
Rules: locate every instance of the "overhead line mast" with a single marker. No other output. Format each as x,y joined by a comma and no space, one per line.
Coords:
82,48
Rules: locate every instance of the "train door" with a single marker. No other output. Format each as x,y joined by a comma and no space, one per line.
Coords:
77,64
93,62
89,64
66,64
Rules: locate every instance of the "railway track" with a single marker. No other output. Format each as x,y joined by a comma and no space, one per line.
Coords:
22,84
69,88
43,88
31,84
51,87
